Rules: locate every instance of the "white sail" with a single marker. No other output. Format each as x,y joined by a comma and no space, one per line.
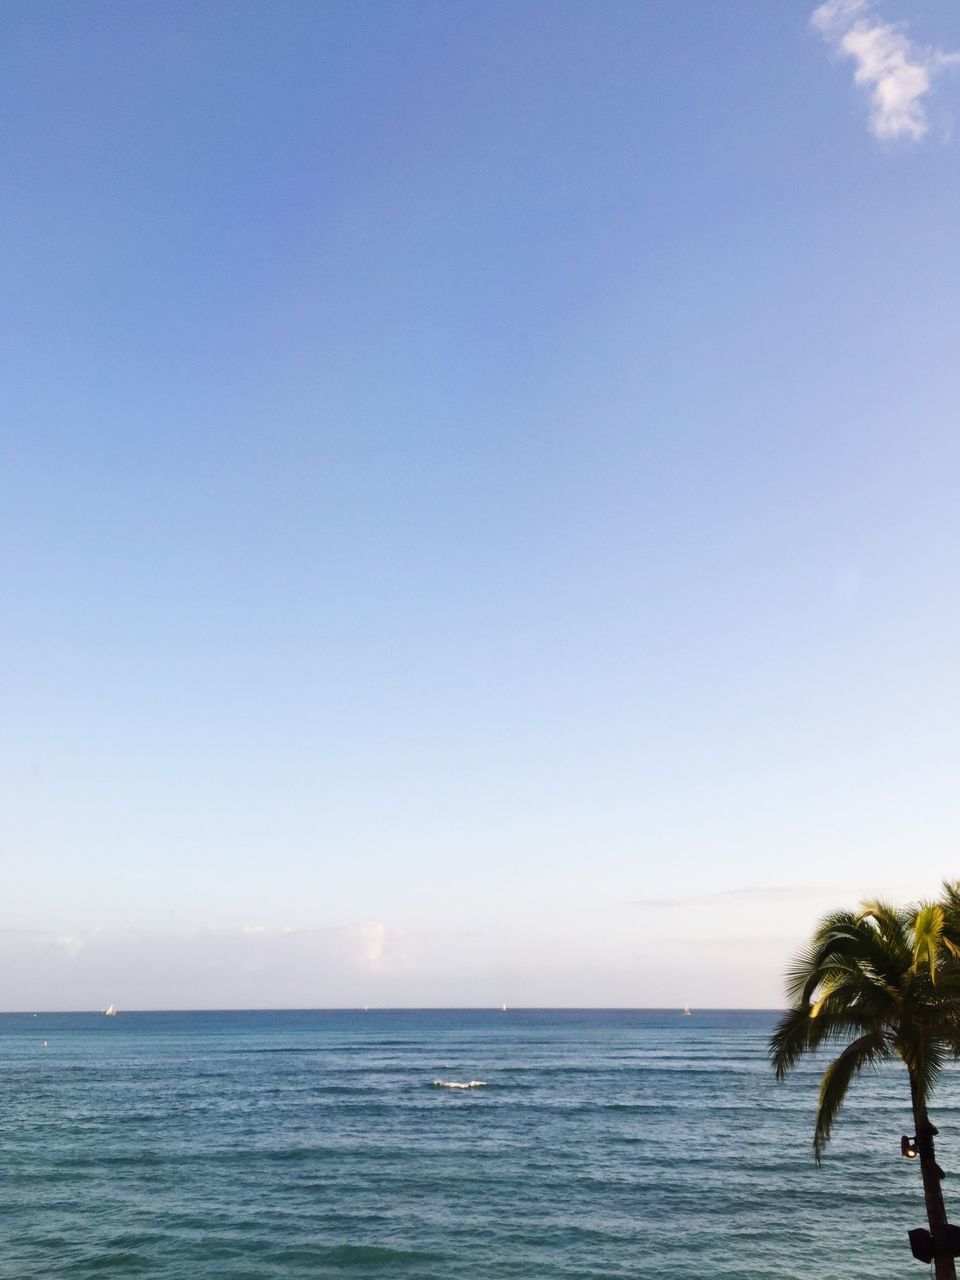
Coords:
111,1011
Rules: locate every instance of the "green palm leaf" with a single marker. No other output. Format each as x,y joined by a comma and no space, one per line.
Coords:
928,937
868,1050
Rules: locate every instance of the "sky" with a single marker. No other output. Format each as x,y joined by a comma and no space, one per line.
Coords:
478,495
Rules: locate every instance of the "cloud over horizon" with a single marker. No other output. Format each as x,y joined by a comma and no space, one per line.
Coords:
260,966
198,967
897,73
748,893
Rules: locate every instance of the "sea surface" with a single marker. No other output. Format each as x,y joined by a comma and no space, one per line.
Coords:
604,1144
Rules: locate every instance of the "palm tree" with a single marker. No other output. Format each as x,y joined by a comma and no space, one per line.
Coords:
886,980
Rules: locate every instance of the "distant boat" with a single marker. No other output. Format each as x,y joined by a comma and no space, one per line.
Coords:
503,1008
685,1011
111,1011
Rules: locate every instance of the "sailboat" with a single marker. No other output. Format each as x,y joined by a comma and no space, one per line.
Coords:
111,1011
503,1007
685,1011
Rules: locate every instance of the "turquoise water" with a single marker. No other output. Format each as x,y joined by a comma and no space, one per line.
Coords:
315,1144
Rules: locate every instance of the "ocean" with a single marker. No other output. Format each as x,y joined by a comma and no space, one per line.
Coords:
286,1145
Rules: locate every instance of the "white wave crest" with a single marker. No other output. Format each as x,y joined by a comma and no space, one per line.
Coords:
460,1084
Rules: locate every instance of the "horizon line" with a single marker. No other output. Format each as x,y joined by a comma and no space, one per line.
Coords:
426,1008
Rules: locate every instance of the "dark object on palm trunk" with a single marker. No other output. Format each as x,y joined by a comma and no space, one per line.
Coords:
922,1243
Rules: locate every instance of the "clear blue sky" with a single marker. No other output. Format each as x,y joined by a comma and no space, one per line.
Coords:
479,496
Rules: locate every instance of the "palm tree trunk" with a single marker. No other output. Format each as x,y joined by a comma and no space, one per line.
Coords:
932,1190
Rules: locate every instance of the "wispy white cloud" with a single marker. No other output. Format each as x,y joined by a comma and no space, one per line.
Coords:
897,73
749,893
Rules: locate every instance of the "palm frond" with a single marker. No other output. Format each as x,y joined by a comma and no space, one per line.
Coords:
927,932
891,924
804,1029
947,989
855,1002
844,942
805,972
868,1050
790,1040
